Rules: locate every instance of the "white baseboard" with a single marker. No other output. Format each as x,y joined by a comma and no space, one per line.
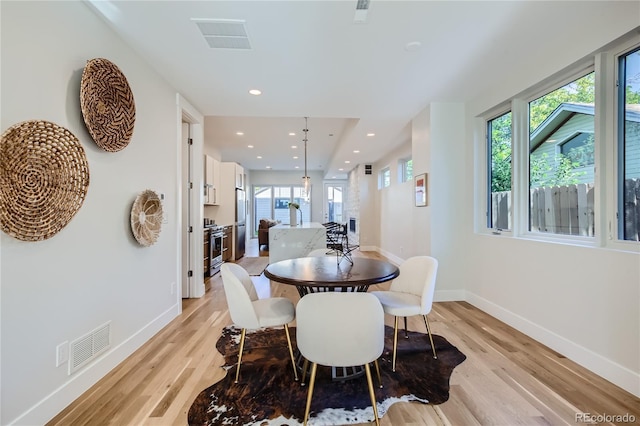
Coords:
609,370
392,257
81,381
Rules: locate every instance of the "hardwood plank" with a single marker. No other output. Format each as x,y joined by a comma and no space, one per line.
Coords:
507,379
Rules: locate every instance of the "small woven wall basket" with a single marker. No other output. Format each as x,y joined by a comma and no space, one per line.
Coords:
44,176
107,104
146,218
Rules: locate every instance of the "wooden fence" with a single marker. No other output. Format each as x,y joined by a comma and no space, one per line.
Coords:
564,209
568,209
632,209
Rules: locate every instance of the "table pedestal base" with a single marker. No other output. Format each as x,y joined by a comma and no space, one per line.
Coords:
338,374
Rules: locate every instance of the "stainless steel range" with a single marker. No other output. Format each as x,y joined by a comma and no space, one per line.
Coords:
216,234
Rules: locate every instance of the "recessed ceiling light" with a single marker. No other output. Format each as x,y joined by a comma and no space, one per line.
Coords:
347,162
292,133
340,169
297,167
249,146
371,134
413,46
268,167
356,151
294,146
259,156
255,92
240,133
295,157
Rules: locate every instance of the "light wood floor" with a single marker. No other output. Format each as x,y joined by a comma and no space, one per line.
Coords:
507,379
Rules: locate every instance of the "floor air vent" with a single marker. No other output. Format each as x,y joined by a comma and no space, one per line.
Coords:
89,346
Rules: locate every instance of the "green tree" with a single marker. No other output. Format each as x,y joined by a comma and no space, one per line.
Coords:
501,153
578,91
558,172
546,171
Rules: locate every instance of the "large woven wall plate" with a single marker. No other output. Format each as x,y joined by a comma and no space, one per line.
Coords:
146,217
107,104
44,176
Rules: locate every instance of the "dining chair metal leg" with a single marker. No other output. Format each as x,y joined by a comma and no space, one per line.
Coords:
378,372
406,333
395,344
305,364
242,335
312,382
372,394
293,360
433,348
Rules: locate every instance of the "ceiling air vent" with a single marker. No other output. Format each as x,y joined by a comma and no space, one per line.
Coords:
224,33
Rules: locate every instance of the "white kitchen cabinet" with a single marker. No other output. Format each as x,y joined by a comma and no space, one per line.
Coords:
239,176
211,181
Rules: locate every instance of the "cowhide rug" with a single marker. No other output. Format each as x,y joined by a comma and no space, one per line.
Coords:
268,395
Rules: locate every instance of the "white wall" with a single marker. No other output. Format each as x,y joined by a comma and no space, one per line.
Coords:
93,271
449,191
582,302
396,207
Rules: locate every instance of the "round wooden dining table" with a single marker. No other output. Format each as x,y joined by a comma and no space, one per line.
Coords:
331,273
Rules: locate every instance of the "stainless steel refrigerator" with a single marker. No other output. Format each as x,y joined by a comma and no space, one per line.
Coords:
239,225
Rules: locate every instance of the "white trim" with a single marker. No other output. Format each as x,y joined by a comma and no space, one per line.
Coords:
80,382
617,374
196,121
392,257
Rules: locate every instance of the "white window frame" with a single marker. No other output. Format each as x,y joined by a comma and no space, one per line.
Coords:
383,171
606,148
402,170
612,225
492,115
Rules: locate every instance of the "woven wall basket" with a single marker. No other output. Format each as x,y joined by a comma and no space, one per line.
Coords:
107,104
44,178
146,217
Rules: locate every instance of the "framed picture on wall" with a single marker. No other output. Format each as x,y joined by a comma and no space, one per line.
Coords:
420,182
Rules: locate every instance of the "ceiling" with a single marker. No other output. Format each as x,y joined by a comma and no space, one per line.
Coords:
352,72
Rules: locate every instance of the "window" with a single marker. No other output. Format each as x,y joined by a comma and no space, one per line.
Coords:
272,202
628,130
561,181
405,169
384,179
500,175
559,152
579,149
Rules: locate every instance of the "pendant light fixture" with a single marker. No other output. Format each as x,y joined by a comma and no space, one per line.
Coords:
306,180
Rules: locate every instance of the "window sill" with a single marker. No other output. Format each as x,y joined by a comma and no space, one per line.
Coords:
569,240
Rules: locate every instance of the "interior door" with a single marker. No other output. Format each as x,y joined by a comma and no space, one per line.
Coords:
334,202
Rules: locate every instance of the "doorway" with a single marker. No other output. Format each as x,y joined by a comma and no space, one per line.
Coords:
334,202
190,230
185,180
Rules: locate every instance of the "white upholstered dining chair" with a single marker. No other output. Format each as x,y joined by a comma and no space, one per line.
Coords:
411,293
341,338
250,313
